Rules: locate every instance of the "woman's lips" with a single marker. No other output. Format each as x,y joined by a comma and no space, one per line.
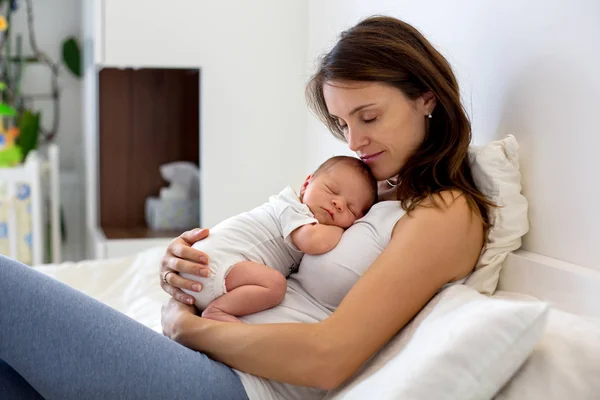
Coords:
370,157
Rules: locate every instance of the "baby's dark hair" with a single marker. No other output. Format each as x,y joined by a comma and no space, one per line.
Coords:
358,165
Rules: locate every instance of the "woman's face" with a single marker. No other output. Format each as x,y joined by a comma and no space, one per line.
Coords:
381,125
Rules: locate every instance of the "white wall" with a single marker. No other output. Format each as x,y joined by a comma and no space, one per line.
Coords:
252,61
527,68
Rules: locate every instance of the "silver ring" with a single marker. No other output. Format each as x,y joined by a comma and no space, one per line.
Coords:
165,276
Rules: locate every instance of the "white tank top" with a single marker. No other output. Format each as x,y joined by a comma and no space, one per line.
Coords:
319,286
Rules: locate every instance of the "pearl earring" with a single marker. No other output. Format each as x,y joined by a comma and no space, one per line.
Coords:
429,116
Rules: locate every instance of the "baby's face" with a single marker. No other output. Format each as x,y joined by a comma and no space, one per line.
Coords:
338,196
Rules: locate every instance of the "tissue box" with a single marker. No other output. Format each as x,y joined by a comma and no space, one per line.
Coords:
172,213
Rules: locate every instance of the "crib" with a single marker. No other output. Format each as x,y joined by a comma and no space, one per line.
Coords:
30,229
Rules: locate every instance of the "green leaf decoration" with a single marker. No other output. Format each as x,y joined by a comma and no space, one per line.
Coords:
11,157
2,86
72,56
29,127
7,111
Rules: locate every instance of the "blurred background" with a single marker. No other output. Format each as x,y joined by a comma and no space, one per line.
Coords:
189,111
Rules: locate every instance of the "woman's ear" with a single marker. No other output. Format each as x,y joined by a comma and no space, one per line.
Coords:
428,102
304,186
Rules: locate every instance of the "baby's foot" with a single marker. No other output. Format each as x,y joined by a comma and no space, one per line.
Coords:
219,315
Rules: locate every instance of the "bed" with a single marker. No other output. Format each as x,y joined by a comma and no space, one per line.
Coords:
523,326
563,363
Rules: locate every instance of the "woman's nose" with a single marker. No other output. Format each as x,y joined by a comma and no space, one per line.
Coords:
356,139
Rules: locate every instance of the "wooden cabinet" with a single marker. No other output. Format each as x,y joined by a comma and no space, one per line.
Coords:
147,118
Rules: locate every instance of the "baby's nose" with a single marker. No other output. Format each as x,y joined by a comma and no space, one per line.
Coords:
337,204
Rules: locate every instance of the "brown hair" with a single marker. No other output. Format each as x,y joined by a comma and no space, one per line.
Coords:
359,166
387,50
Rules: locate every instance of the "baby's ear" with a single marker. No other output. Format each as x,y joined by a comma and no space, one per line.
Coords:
304,186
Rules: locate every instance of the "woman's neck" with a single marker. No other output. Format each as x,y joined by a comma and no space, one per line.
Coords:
385,191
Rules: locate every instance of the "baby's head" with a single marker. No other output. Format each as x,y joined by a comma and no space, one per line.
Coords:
340,191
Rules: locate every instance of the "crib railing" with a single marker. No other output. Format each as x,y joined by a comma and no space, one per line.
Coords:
41,176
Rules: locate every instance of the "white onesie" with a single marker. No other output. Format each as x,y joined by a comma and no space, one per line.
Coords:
261,235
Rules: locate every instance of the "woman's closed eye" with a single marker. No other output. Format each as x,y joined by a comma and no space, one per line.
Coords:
343,126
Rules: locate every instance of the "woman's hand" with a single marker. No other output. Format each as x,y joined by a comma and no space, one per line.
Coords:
173,314
181,257
182,324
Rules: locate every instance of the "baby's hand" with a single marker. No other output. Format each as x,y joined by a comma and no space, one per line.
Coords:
317,239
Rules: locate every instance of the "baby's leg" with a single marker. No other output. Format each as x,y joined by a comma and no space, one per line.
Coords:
251,287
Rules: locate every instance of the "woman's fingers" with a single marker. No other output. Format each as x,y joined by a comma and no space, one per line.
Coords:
182,258
180,249
177,263
178,294
173,286
174,282
194,235
188,267
174,279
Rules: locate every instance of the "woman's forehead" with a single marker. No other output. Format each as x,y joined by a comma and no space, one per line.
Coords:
345,96
352,88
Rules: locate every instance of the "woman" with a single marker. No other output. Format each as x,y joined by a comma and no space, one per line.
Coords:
394,99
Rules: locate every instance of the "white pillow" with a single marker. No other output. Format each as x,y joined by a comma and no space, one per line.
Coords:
461,346
495,170
564,364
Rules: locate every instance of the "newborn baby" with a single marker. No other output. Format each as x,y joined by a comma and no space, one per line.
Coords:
252,253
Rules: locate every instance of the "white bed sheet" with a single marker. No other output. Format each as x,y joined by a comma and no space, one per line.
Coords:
128,284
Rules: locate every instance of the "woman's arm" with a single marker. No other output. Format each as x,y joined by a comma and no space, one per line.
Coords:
429,248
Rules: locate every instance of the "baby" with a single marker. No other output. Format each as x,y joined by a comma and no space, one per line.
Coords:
252,253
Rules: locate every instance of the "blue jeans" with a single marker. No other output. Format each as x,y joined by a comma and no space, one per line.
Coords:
58,343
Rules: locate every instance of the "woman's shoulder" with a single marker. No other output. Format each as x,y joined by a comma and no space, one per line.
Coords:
446,199
446,203
445,210
448,207
444,222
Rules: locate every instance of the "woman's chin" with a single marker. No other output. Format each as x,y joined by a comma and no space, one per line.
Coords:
381,175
